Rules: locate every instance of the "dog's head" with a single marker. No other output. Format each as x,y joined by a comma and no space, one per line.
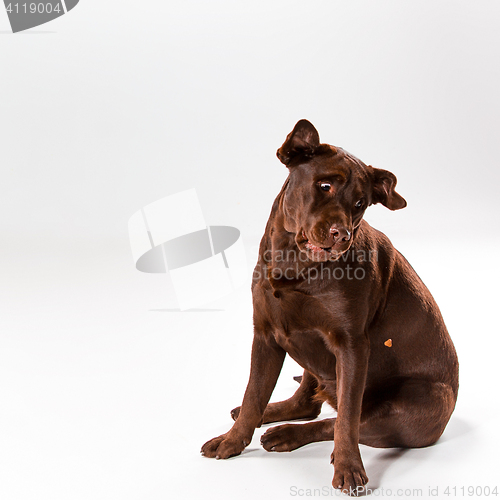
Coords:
327,193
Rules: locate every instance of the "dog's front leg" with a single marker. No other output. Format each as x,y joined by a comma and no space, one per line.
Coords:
267,360
352,365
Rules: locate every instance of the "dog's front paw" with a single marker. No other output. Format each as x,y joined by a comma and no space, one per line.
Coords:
350,477
224,446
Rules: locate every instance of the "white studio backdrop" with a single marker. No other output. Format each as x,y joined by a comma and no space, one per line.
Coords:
106,391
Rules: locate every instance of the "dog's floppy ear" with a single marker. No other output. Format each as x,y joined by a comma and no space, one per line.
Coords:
301,141
384,183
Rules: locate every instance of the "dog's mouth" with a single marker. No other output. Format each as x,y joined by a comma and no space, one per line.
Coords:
316,249
316,252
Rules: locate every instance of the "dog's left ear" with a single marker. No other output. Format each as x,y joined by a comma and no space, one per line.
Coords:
384,183
301,141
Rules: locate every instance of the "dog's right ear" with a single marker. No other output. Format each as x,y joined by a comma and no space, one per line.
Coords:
384,183
301,141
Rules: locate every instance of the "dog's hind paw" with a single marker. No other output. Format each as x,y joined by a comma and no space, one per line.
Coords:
286,437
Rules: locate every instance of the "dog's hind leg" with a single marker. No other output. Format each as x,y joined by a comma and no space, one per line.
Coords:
304,404
408,413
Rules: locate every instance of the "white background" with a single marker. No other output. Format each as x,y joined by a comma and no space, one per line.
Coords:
106,392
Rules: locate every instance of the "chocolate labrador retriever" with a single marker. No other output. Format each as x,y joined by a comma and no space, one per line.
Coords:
334,294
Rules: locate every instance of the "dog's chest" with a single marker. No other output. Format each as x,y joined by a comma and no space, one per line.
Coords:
309,350
302,329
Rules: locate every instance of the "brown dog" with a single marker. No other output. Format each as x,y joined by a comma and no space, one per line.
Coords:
334,294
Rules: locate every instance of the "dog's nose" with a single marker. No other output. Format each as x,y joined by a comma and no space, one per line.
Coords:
340,234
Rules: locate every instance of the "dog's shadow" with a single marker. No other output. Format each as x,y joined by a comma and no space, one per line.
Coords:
378,462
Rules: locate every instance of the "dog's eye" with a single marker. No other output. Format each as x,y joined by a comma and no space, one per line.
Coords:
359,204
325,186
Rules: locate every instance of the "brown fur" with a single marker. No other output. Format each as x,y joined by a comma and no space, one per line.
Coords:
336,324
